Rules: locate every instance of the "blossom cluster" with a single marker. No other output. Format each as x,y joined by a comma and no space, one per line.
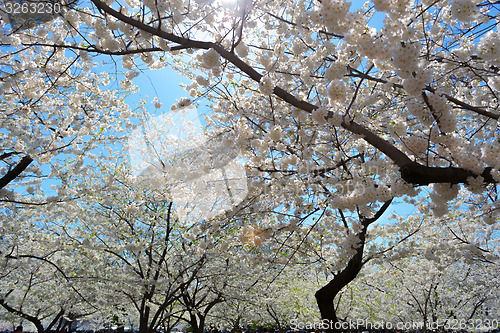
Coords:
416,144
405,56
337,90
467,159
242,50
491,155
266,86
369,45
210,59
335,71
489,48
441,110
332,13
363,193
181,104
336,119
463,10
442,194
382,5
415,83
319,115
275,133
416,108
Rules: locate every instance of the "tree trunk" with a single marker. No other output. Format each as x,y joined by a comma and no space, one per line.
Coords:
144,321
197,328
326,295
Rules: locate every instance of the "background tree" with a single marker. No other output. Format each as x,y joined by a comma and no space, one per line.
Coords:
55,110
37,280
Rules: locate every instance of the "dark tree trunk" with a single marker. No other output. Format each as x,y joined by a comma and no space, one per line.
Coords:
144,326
326,295
197,327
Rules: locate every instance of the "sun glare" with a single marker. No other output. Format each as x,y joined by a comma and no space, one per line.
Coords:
228,2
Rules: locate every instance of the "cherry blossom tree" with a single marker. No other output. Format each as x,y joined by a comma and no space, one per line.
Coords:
443,275
132,246
420,294
270,295
335,115
144,260
37,282
55,110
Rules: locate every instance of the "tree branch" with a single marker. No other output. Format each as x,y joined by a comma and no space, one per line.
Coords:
16,171
411,172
